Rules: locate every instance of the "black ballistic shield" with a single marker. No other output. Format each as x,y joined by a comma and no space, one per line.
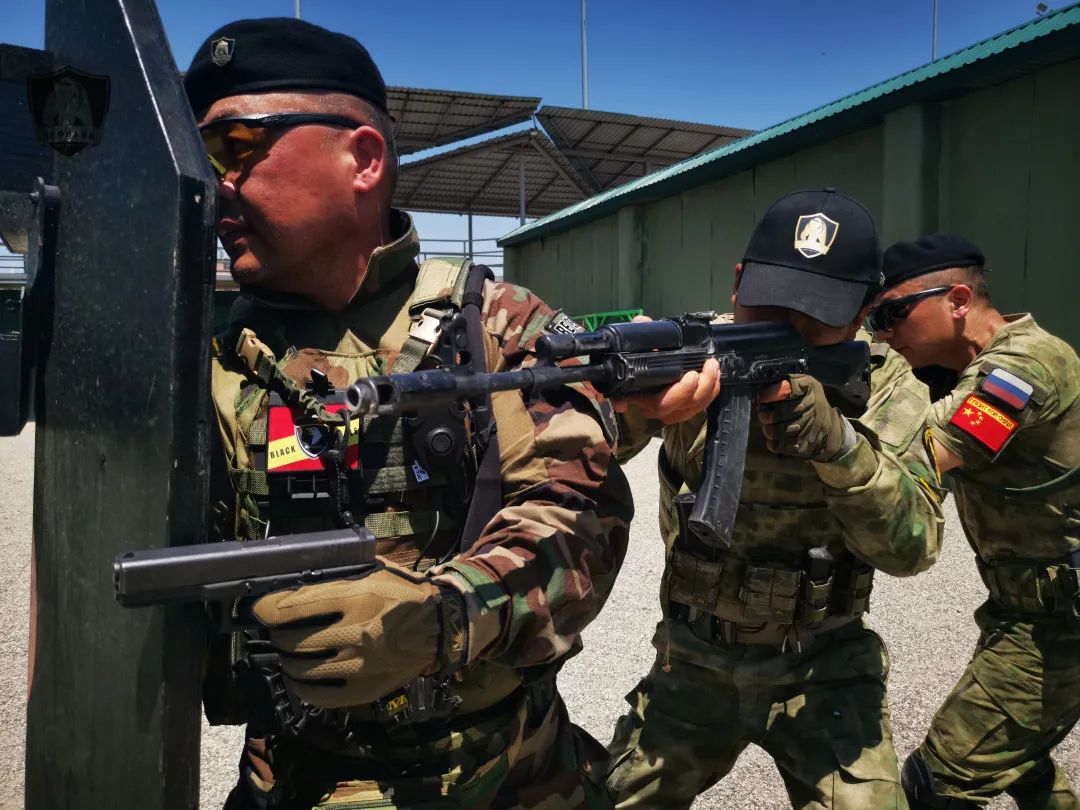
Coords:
122,417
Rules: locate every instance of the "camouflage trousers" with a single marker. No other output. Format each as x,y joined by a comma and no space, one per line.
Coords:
530,757
1017,699
820,712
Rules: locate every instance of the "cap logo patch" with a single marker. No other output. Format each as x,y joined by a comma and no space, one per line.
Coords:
221,50
815,234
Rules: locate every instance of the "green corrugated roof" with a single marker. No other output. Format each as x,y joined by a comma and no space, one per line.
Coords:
1024,49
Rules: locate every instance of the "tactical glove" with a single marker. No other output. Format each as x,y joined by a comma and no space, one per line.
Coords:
805,425
352,641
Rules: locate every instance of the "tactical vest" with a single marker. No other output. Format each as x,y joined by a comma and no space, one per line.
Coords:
271,411
273,414
787,573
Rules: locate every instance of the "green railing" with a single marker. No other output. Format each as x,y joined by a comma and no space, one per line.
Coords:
594,320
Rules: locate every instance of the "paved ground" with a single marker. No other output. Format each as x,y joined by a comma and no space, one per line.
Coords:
926,622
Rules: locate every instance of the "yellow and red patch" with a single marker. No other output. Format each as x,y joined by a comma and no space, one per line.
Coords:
985,423
293,441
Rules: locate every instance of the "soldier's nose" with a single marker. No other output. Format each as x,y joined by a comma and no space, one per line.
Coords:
227,188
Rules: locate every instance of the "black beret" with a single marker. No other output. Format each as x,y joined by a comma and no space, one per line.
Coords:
926,254
280,53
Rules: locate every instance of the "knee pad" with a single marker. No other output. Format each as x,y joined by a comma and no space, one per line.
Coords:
918,783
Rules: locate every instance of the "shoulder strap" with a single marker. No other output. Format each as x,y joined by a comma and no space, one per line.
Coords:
440,283
487,489
440,288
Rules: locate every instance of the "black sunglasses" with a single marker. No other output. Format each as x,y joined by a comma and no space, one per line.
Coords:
237,142
886,314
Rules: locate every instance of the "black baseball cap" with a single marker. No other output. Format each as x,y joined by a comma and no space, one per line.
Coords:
816,252
936,251
280,53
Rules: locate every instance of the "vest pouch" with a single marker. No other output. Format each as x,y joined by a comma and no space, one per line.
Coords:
693,581
851,591
440,444
816,600
817,585
770,594
1034,589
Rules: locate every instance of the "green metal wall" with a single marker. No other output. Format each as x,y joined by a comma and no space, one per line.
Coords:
678,253
1011,180
1001,165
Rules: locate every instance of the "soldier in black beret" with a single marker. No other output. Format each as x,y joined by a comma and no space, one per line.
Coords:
1008,427
430,681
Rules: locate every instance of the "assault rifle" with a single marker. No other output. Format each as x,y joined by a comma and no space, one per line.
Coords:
630,358
219,573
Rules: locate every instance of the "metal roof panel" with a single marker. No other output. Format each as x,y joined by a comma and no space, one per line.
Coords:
426,118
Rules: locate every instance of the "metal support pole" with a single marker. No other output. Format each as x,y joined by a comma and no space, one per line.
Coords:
933,45
298,9
584,62
122,442
470,236
521,185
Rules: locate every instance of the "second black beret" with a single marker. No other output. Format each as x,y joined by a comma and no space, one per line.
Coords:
280,53
926,254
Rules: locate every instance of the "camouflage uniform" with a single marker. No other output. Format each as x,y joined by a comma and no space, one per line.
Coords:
1019,696
539,573
754,648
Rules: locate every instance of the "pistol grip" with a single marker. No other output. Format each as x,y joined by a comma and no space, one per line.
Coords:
713,516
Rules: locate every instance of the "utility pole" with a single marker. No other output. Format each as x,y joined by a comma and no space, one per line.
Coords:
933,44
298,9
584,62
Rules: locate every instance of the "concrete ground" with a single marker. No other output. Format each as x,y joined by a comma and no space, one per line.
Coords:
926,622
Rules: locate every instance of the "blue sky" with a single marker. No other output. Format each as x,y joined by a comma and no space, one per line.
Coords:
745,64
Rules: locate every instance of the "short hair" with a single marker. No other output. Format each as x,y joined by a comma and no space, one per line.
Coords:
972,276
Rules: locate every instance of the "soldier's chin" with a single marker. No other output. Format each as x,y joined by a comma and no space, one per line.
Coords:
247,270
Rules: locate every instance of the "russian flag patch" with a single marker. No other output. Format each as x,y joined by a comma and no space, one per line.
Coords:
1007,387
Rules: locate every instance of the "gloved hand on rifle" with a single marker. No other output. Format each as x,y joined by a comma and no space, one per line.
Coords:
691,395
350,642
798,420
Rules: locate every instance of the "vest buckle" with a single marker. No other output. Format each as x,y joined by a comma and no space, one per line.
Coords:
428,328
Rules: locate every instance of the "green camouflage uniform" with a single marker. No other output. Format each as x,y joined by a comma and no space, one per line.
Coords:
752,650
539,573
1020,694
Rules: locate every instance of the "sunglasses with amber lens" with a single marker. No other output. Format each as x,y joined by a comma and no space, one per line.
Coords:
238,142
888,313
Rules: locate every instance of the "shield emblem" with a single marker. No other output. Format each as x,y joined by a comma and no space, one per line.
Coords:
815,234
314,438
221,50
69,108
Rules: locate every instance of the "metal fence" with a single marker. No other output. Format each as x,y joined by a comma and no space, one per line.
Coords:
483,251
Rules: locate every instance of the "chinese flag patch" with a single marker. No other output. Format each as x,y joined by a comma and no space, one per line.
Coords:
989,426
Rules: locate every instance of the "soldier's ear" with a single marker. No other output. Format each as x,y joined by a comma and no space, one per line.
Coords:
960,298
368,150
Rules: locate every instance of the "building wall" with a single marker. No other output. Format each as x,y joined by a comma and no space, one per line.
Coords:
1001,165
1011,180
